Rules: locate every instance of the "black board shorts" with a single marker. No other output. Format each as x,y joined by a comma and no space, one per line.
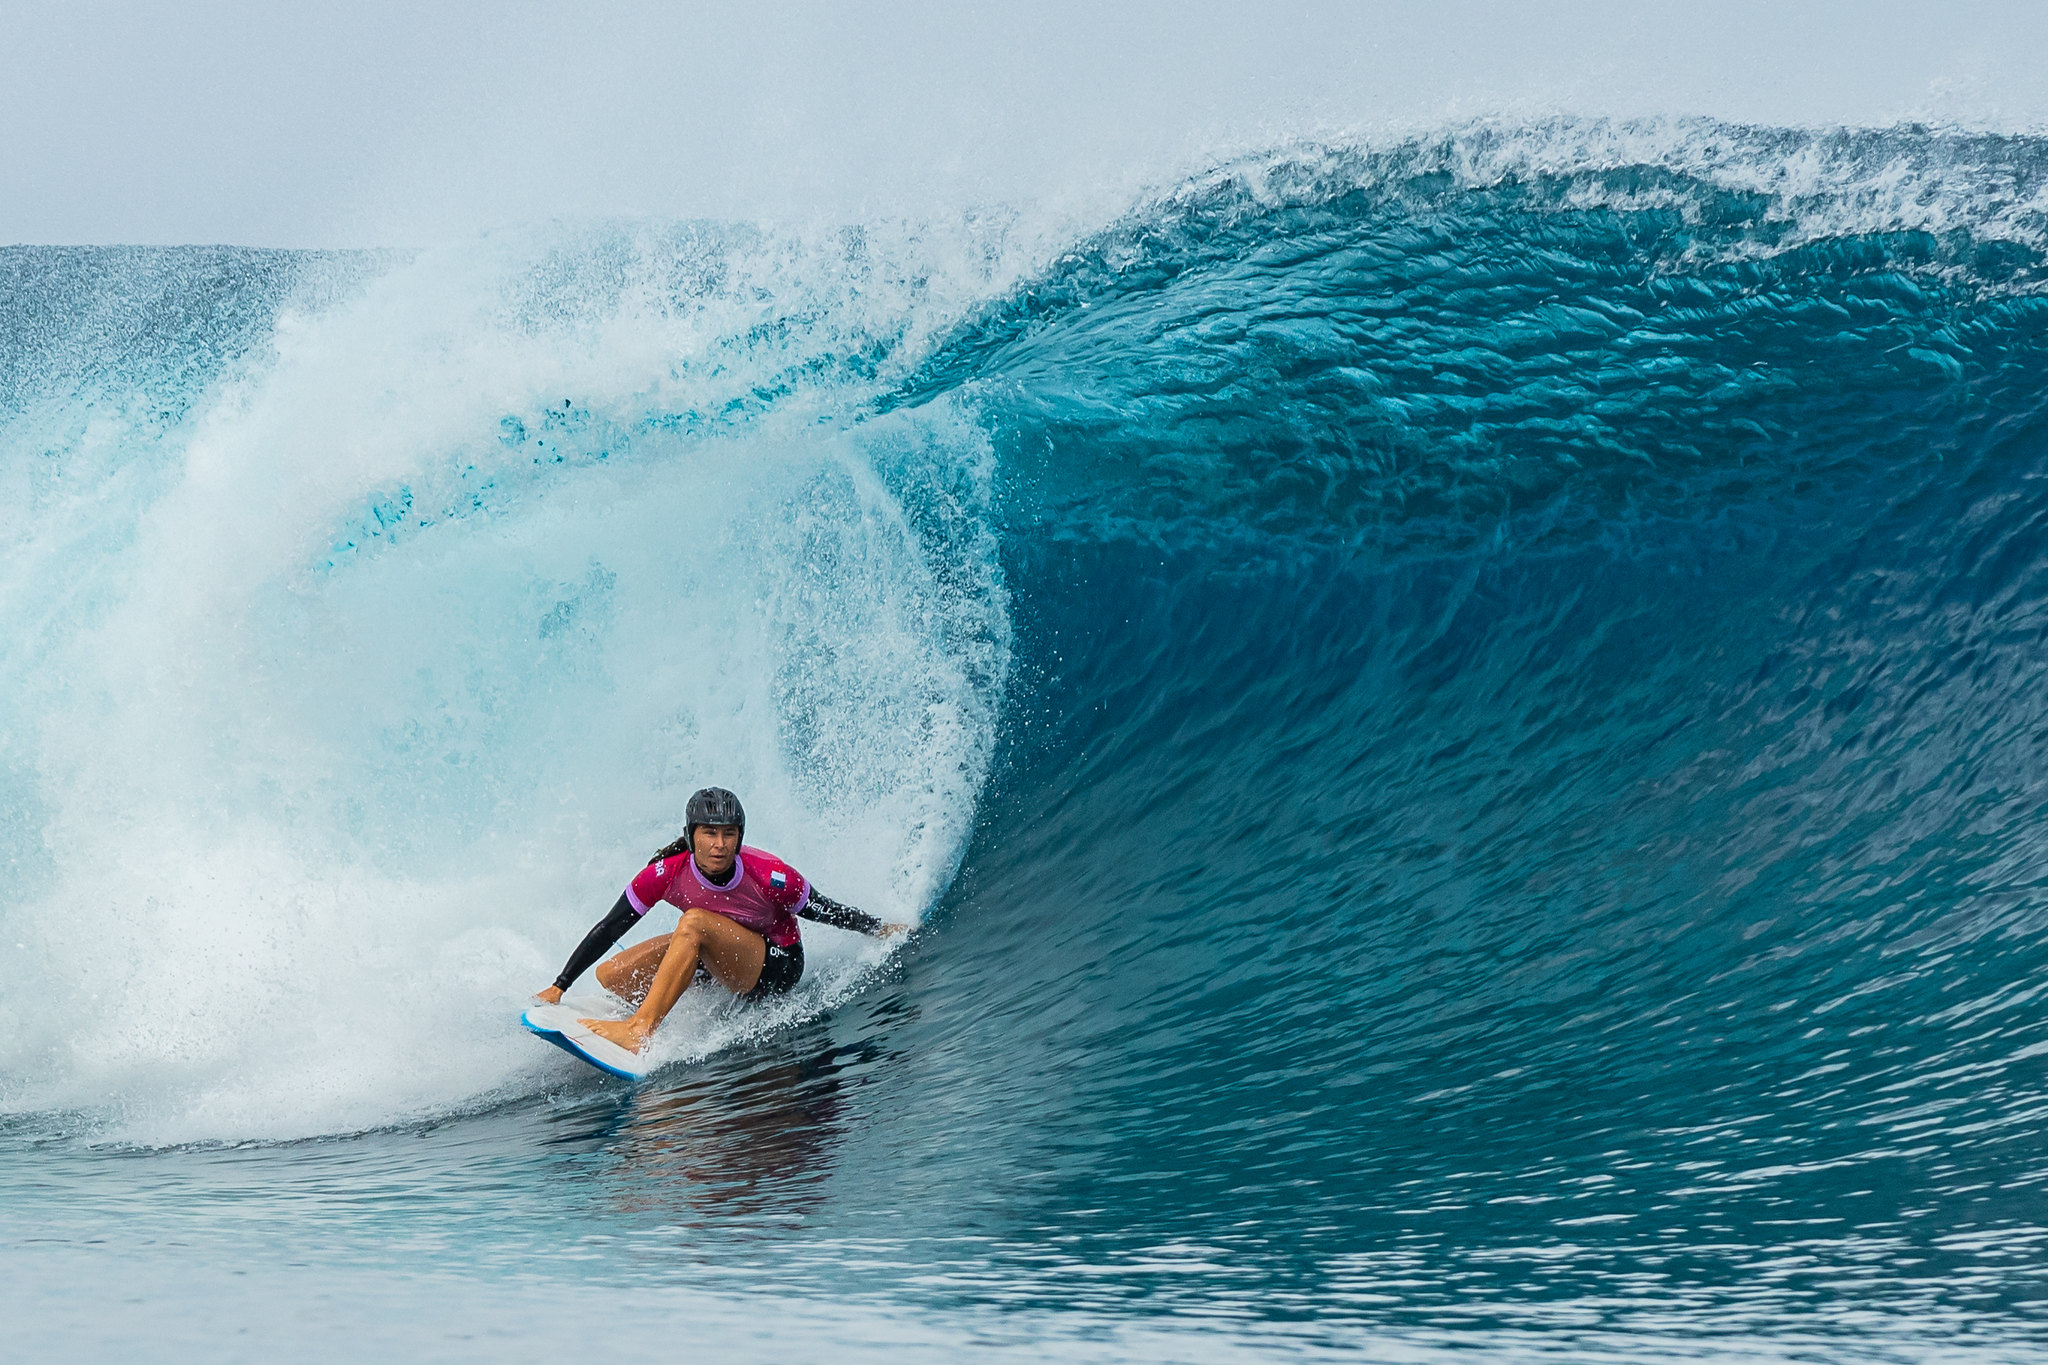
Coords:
780,971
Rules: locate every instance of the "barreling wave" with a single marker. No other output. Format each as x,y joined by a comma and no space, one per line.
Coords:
1485,696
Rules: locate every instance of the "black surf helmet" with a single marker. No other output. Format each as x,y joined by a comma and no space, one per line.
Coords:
713,806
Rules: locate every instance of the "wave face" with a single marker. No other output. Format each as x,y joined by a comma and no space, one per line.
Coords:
1532,767
1471,715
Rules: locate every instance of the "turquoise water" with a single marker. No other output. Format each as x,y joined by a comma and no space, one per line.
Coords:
1461,721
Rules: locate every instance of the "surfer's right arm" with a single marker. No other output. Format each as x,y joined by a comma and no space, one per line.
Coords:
595,945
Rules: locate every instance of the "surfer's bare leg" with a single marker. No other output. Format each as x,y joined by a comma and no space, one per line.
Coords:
628,974
731,953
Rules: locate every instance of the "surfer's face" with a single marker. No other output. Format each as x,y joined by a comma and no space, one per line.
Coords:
715,846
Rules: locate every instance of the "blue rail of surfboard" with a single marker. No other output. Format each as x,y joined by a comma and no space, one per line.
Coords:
562,1041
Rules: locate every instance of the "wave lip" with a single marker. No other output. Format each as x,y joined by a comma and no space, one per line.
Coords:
1567,324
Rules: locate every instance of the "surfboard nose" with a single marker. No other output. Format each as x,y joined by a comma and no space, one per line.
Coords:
560,1025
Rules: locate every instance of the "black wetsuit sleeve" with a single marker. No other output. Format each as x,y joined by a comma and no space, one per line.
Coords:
825,910
598,942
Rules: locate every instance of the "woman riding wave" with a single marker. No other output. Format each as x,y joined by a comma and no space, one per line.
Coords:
740,907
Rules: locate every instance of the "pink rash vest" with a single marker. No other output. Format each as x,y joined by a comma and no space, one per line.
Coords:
764,895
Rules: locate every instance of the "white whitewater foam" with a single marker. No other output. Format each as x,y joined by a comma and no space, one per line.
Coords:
357,718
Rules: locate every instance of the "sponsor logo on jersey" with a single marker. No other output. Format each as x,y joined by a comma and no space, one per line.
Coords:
661,868
778,880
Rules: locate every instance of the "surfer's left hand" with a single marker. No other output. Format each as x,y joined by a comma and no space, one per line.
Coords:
893,930
551,996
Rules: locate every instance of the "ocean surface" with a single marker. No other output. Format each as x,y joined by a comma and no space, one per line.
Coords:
1464,722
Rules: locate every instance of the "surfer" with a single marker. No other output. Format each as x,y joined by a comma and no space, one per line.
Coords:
740,907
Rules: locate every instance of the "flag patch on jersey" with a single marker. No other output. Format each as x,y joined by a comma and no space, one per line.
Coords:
778,880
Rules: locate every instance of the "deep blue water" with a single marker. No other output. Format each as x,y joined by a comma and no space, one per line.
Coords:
1465,721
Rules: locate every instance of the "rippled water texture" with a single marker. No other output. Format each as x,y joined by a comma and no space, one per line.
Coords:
1464,722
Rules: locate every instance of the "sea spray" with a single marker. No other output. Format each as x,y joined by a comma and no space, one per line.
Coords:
417,639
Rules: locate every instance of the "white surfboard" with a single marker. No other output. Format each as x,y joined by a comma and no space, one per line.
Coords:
557,1024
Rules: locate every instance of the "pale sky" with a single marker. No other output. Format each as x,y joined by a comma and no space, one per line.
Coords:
381,123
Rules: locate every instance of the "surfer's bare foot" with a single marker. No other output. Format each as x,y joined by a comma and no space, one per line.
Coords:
629,1034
